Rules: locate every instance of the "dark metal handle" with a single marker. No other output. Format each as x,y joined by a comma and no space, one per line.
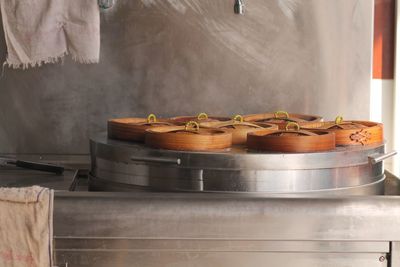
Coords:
376,158
39,166
106,4
239,7
157,160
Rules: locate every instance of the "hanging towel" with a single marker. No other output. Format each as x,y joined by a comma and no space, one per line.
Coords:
26,227
44,31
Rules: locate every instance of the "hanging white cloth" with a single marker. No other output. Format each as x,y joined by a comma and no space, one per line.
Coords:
44,31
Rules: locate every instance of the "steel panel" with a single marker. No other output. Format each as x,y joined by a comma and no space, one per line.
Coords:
216,259
189,56
226,216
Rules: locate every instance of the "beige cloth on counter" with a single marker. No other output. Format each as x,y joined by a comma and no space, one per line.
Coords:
43,31
26,227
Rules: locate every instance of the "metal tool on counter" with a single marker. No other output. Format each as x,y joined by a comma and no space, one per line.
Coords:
32,165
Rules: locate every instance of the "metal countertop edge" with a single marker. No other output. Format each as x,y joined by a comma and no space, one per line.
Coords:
198,195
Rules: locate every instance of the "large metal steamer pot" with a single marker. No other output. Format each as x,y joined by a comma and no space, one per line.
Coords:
125,166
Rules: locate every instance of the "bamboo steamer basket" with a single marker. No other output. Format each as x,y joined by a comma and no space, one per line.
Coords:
190,137
201,119
291,140
133,129
240,128
281,118
350,133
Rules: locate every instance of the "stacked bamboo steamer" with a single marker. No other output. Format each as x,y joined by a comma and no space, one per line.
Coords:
291,140
316,136
350,133
240,129
200,118
190,137
133,129
178,133
270,132
282,118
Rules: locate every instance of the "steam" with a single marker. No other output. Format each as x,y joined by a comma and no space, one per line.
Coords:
288,7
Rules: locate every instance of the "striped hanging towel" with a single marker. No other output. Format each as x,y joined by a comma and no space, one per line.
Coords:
44,31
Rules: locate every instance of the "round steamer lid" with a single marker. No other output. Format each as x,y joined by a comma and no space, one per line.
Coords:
282,118
291,140
350,132
190,137
239,128
201,118
132,129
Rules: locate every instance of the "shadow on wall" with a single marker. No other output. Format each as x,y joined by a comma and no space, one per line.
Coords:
3,48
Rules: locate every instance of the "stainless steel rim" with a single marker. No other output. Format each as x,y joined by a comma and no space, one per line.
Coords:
237,170
236,158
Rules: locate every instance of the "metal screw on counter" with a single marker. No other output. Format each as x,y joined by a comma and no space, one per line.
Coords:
239,7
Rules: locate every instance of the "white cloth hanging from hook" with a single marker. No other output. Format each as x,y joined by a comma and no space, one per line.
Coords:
44,31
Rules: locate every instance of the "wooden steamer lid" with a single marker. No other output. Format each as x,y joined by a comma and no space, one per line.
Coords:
201,118
132,129
190,137
281,118
350,132
240,128
291,141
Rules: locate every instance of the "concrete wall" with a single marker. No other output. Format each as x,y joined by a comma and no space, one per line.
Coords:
173,57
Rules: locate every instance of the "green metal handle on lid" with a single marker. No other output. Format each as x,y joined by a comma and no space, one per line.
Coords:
192,124
339,120
281,113
238,119
202,116
295,125
151,118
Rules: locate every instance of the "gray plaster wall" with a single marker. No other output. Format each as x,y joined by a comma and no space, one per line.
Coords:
172,57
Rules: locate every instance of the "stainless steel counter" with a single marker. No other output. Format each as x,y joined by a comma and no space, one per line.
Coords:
208,229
